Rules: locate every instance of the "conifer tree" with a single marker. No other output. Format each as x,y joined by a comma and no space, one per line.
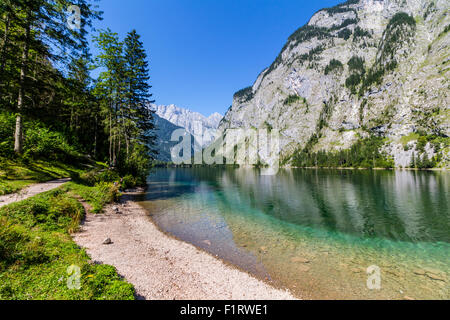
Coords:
138,91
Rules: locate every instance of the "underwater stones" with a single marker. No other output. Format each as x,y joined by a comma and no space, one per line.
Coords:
207,242
434,276
300,260
263,250
431,274
303,268
419,272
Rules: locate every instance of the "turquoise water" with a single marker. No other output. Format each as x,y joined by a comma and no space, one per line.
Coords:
315,231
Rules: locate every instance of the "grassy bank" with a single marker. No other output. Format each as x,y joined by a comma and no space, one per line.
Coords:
36,248
18,174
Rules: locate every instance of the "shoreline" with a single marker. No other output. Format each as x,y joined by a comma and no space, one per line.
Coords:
160,266
309,168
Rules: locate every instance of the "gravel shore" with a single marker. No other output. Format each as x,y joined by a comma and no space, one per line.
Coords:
161,267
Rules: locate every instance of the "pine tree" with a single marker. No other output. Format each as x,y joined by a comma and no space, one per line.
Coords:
138,95
43,35
110,88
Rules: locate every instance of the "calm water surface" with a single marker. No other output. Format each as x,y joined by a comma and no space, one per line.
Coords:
315,231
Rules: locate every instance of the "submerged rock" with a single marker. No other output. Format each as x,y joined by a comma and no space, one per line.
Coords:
300,260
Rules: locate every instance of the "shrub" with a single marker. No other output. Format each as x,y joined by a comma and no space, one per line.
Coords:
7,125
292,99
356,64
360,33
333,65
245,94
129,182
344,34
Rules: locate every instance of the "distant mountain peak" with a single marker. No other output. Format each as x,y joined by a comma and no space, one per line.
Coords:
191,121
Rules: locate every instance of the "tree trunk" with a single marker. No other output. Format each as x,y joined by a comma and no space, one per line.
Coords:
95,137
5,43
18,136
110,140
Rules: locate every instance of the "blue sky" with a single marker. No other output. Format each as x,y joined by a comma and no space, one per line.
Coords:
202,51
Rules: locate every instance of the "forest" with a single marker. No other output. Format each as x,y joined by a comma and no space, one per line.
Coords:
58,121
52,108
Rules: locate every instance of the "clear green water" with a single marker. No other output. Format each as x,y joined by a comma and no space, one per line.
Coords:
315,231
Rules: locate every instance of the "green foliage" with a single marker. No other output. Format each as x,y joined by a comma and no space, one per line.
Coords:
420,158
430,9
308,32
363,154
129,182
400,19
52,211
334,65
357,71
344,34
375,76
312,55
41,142
342,7
292,99
344,24
36,250
399,30
98,195
360,33
447,29
356,64
18,173
7,125
245,94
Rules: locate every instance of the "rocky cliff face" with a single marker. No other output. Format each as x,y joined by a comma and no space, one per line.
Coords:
203,129
360,69
163,133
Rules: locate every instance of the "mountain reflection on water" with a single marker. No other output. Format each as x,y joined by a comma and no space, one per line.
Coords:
397,205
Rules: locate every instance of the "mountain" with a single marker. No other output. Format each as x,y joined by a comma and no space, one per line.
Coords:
370,77
164,145
193,122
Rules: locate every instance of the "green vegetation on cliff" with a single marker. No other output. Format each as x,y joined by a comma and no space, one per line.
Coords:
363,154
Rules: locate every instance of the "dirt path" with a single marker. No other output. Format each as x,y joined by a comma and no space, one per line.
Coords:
31,191
160,267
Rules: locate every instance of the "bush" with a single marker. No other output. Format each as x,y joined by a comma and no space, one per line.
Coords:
356,64
44,143
129,182
245,94
333,65
360,33
91,178
292,99
344,34
7,125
